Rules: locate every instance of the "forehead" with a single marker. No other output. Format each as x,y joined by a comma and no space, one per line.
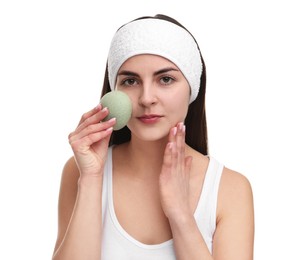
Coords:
147,61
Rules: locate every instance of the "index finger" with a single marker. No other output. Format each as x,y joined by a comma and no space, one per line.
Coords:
89,114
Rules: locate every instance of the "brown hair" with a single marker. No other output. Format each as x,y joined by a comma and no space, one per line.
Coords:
195,121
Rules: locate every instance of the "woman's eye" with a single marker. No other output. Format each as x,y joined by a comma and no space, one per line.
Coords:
129,82
166,80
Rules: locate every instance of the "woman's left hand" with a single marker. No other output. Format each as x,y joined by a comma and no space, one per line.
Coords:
175,175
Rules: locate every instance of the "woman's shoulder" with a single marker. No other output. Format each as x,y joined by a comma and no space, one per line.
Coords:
234,234
235,193
233,182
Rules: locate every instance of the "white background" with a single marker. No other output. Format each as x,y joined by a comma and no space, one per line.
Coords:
52,61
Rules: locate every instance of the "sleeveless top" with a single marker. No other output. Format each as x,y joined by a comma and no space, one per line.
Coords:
117,244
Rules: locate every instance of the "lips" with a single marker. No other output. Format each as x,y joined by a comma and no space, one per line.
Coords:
149,116
149,119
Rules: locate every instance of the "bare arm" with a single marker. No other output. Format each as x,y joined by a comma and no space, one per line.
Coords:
234,236
79,228
80,216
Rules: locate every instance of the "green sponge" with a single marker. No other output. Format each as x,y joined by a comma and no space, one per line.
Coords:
119,106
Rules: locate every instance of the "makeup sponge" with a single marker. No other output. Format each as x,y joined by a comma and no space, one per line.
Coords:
119,106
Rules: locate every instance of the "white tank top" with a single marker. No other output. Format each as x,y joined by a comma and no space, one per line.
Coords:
117,244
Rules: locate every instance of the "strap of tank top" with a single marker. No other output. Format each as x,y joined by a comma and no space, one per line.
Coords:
207,204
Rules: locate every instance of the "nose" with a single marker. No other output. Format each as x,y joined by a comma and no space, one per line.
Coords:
148,95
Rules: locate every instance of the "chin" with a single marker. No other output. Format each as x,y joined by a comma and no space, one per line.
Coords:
150,134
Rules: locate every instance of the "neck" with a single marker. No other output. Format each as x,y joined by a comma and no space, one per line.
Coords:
146,156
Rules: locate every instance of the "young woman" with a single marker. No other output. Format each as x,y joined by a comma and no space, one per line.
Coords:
150,190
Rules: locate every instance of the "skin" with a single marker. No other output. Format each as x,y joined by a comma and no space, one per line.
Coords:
156,203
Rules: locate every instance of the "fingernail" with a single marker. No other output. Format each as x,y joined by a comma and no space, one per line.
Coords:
181,126
110,129
104,109
99,106
184,129
174,131
112,119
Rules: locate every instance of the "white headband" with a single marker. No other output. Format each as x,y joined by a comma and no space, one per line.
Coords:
158,37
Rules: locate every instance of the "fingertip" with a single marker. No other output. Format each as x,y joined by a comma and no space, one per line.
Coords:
112,120
181,128
173,133
104,109
110,129
98,107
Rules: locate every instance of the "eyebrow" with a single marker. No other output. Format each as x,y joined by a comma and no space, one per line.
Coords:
130,73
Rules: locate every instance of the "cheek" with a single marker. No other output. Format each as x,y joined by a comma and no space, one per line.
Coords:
135,103
178,106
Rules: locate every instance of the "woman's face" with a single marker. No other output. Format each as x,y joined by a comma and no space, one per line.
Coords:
159,93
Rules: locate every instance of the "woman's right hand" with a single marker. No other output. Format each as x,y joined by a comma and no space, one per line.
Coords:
90,141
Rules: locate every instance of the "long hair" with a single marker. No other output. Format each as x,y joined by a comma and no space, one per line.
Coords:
195,121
